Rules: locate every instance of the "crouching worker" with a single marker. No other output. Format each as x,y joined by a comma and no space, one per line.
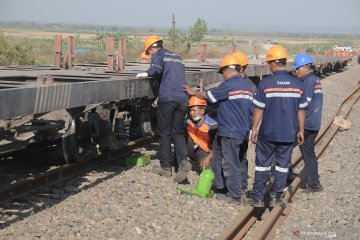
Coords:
201,130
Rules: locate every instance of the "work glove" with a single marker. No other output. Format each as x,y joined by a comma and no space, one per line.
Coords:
142,75
155,102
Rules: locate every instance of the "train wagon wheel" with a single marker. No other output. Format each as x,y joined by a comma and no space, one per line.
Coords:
77,143
143,121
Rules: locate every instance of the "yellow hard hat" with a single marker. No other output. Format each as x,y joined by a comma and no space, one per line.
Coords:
150,40
242,58
228,61
276,52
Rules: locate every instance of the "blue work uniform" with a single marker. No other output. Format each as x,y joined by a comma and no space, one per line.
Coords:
169,69
280,96
234,97
314,96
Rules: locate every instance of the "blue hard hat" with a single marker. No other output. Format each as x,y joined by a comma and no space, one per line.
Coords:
302,59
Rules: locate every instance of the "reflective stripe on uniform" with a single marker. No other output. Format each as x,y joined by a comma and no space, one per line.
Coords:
171,54
303,105
154,65
283,90
173,60
257,103
244,96
280,169
280,94
240,91
262,169
211,96
318,91
308,99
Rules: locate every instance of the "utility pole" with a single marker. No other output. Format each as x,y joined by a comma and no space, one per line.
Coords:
173,32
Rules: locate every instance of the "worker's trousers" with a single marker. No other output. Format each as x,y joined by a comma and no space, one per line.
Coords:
171,117
265,151
196,154
230,164
308,153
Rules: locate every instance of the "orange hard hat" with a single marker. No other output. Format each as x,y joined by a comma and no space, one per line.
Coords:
229,61
144,56
276,52
195,101
242,58
150,40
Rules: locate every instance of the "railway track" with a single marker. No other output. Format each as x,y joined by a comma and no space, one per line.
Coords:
266,229
20,188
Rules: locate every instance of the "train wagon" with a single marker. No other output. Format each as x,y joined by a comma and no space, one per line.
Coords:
89,109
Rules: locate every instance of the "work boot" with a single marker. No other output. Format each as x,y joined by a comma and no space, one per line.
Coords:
184,169
223,190
244,191
162,171
291,175
277,199
252,202
313,188
227,198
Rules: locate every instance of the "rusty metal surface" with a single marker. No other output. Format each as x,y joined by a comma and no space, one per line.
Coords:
23,94
70,52
58,50
121,53
39,89
110,55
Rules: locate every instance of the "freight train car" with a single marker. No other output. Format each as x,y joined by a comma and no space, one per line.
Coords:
88,109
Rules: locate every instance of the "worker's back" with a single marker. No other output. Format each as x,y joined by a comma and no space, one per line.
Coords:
281,96
172,76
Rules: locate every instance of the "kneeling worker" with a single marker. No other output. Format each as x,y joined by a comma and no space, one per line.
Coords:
201,130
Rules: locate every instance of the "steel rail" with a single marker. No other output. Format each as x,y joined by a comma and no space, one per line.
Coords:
22,187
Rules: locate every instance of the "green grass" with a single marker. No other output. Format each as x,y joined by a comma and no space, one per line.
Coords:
15,52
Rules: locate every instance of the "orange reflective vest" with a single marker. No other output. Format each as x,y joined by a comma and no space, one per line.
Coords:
200,135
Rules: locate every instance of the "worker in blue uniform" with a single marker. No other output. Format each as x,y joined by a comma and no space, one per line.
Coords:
169,68
234,97
244,62
280,104
314,96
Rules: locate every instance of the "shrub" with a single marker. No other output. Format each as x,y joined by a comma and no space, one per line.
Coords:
12,53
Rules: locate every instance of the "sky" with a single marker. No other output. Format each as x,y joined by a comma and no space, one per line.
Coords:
283,13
